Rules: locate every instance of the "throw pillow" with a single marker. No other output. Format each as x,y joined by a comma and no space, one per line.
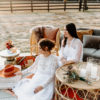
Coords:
50,33
25,61
38,33
80,33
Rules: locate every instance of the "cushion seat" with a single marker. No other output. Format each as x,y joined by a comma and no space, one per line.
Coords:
91,46
88,52
97,54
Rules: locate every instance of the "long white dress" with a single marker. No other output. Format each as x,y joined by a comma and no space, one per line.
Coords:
44,69
73,52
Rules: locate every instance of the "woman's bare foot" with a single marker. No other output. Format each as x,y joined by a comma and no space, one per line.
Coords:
10,92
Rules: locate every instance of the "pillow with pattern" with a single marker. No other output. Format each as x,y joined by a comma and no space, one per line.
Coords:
50,33
80,33
25,61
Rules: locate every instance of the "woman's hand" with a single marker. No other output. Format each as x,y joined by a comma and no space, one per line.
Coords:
63,60
39,88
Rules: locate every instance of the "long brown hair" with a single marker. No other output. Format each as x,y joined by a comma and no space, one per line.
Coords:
71,28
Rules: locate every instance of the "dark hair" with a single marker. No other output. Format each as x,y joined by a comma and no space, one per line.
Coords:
46,43
71,28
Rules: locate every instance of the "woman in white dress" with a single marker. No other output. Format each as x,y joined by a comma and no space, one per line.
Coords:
71,48
41,85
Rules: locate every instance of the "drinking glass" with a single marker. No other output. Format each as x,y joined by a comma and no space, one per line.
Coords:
92,69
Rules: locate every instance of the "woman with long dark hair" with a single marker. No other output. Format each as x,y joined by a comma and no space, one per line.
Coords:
71,48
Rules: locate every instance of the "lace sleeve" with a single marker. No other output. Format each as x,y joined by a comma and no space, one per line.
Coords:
53,69
32,68
79,51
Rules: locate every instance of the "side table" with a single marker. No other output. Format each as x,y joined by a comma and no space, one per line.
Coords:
10,57
79,90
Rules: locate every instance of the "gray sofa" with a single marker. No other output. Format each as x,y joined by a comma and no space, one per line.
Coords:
91,44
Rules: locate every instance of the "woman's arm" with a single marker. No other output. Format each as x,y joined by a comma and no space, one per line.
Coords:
65,62
32,68
79,51
78,55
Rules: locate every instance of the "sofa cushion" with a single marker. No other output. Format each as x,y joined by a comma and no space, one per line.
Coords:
88,52
96,54
50,33
96,32
25,61
91,41
38,32
80,33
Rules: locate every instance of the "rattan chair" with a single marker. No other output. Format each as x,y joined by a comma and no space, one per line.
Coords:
37,33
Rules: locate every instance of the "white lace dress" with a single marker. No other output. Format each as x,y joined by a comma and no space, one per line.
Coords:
44,69
73,52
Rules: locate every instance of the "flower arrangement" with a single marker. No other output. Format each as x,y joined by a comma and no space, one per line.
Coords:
10,47
73,76
9,44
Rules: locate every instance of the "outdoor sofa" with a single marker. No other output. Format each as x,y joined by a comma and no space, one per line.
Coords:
91,43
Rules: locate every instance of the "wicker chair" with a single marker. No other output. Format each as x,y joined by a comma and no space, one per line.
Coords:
40,32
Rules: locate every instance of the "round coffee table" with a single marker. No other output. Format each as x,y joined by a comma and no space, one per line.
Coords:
10,57
79,90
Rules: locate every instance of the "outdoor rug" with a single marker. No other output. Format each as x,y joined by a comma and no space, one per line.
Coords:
6,96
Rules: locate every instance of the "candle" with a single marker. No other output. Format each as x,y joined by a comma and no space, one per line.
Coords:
94,72
82,72
88,67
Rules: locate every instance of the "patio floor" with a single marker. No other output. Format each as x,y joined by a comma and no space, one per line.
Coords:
6,96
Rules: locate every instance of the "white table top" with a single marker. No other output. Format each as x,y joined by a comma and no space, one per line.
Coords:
5,53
